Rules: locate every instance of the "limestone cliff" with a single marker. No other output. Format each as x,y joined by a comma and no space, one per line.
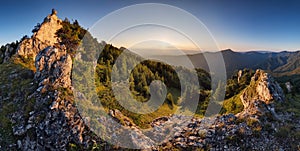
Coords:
47,30
259,97
61,122
53,122
43,36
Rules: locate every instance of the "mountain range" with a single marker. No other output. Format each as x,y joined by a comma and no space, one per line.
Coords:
38,92
278,63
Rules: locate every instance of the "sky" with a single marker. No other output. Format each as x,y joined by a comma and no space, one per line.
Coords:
238,25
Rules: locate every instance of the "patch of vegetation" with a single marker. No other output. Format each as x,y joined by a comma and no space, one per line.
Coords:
289,132
71,35
294,81
234,89
291,105
140,78
292,98
235,85
25,62
232,105
16,84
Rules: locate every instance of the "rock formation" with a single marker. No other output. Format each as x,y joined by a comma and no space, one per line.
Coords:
288,86
8,51
48,122
259,97
243,131
47,30
54,121
239,75
43,37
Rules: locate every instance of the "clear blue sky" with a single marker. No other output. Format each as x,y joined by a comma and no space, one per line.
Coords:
237,24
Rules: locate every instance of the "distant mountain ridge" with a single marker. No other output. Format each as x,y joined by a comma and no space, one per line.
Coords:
38,109
277,63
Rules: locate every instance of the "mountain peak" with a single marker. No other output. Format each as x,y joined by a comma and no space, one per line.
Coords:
46,31
44,35
227,50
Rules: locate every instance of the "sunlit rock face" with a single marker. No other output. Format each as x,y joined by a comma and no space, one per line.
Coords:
43,36
259,97
49,27
54,64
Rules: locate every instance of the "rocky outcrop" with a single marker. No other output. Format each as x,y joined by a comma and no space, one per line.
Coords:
226,133
289,87
7,51
30,47
240,73
259,97
43,37
248,130
53,66
55,121
47,30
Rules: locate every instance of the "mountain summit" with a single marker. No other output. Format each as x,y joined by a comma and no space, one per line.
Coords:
47,118
44,35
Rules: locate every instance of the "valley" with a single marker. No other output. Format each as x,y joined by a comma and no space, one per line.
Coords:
44,76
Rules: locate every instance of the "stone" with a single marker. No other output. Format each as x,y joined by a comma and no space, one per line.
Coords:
19,144
240,73
288,86
45,36
258,98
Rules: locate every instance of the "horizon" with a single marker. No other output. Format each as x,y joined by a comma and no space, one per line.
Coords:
243,27
194,52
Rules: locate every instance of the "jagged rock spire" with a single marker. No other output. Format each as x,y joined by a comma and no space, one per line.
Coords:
259,97
44,36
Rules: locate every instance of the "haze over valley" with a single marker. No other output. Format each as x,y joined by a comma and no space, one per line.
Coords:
67,86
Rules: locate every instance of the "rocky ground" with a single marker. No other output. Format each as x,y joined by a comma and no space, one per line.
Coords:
256,128
48,119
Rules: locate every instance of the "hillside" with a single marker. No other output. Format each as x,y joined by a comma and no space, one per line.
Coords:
41,85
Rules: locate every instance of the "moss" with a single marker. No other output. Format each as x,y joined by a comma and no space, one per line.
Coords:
233,138
16,83
283,132
252,122
24,62
29,107
292,104
66,94
232,105
72,147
